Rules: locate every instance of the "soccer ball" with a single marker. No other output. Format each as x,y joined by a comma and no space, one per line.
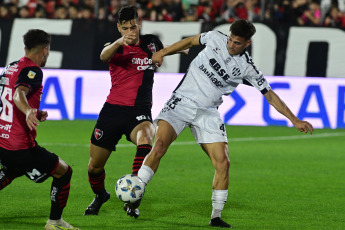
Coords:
129,188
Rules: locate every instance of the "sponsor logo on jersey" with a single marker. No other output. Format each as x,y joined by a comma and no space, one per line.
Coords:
144,63
236,72
221,72
31,74
6,127
4,80
211,76
4,135
152,47
98,134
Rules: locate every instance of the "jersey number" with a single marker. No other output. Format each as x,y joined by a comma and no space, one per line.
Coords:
6,108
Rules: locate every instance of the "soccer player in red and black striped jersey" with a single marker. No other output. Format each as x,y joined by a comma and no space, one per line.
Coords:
20,93
127,110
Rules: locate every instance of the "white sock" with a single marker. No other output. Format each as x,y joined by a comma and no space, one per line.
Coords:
219,198
145,173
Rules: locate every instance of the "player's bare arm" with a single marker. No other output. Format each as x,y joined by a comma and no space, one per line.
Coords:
22,104
109,51
282,108
184,44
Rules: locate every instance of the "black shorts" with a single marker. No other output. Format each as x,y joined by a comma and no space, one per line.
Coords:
114,121
36,163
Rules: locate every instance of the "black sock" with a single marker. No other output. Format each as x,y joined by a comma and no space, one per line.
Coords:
142,151
59,194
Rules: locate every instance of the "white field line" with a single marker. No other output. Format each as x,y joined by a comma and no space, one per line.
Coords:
242,139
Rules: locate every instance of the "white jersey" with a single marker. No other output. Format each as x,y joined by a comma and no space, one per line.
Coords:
214,72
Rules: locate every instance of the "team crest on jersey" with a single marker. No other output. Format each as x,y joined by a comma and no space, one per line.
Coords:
98,134
31,74
152,47
236,72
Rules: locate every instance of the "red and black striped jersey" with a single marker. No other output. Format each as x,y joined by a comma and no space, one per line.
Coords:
14,132
132,72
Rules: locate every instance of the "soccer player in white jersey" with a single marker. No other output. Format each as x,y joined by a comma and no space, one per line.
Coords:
217,70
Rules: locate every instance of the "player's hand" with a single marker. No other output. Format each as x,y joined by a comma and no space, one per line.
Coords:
31,118
157,59
42,115
127,39
304,126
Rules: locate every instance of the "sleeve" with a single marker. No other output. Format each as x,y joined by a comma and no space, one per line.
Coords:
254,77
30,77
159,44
205,37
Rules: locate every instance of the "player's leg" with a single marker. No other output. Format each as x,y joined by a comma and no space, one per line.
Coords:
59,194
106,134
40,164
142,136
165,135
96,172
219,155
8,172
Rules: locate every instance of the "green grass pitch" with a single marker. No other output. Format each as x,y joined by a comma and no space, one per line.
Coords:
279,179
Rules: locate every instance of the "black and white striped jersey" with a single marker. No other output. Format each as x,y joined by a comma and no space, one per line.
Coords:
214,72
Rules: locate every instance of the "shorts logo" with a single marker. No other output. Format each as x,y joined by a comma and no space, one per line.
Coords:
35,175
141,117
98,134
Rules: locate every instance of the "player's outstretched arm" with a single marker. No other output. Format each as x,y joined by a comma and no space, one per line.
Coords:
282,108
157,58
22,104
110,48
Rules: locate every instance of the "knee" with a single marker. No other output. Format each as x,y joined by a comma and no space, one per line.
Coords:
223,165
94,168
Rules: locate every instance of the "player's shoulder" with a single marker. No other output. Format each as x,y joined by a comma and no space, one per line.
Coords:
31,72
149,38
214,35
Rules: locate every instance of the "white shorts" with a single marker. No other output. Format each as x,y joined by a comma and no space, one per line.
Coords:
205,123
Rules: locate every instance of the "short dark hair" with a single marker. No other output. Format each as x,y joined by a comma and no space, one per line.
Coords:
127,13
243,28
36,37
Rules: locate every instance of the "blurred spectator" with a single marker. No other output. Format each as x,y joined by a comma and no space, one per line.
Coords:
73,12
205,10
326,5
253,9
86,12
191,14
13,9
233,10
4,12
61,12
40,12
334,18
311,16
24,12
115,6
155,11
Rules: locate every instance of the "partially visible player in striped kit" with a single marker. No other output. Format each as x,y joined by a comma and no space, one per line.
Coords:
20,93
216,71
